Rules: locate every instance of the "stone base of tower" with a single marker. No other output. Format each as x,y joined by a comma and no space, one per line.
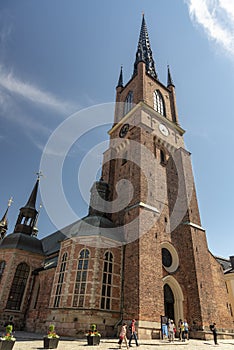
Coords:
149,330
207,335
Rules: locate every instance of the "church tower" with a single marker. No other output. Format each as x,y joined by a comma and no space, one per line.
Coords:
168,269
20,254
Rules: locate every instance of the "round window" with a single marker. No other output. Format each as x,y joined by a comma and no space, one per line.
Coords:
170,259
166,257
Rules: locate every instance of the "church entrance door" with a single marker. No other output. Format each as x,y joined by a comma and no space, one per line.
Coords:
169,302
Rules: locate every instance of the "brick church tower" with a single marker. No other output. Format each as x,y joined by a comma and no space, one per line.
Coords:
141,252
168,269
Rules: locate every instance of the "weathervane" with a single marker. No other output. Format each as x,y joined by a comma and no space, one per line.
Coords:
39,174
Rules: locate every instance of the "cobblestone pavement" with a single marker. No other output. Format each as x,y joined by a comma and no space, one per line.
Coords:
31,341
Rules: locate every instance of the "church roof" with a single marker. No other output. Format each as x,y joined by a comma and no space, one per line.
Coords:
91,225
144,52
51,243
22,241
225,263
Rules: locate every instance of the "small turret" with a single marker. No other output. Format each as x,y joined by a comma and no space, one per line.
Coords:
98,198
28,214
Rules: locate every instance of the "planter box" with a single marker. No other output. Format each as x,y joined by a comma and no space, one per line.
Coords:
93,340
6,344
50,343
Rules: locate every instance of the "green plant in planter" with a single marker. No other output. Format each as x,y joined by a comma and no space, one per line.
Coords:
7,341
52,339
52,333
93,336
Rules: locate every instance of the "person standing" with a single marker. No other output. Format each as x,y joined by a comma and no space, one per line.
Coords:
180,323
123,336
171,331
214,331
164,326
186,330
133,333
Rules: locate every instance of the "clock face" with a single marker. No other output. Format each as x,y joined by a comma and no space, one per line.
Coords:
124,130
164,130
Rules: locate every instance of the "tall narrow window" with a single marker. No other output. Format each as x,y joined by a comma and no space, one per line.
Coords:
107,281
18,287
159,103
162,157
128,102
2,267
81,278
60,280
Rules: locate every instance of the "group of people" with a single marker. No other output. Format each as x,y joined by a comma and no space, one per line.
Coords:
169,330
123,334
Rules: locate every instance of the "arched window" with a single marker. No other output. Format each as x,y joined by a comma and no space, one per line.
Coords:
159,103
107,281
81,278
128,102
162,157
2,267
60,280
18,287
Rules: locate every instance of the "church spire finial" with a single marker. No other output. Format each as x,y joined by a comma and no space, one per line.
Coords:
144,53
4,221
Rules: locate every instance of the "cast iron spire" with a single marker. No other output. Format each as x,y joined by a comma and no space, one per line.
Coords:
144,53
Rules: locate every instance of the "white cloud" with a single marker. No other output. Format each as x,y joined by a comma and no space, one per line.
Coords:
32,93
216,17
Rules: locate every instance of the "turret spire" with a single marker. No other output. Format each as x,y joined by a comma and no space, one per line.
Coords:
28,214
120,82
35,228
169,78
4,221
144,53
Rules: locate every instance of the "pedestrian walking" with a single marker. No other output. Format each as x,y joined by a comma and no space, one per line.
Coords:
133,333
123,336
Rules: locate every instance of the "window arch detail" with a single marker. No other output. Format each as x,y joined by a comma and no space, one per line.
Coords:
81,278
128,103
60,280
107,281
18,287
159,105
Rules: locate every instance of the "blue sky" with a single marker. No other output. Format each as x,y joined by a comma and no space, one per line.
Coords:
60,57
